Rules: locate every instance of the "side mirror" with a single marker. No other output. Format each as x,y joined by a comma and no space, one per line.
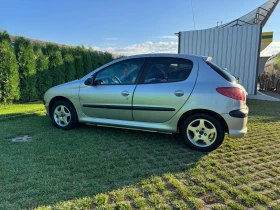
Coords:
89,81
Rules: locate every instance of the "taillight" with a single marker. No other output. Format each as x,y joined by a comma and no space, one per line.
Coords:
232,92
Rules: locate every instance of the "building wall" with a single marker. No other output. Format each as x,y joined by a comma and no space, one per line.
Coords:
262,62
235,48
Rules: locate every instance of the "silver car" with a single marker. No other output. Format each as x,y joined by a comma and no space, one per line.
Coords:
167,93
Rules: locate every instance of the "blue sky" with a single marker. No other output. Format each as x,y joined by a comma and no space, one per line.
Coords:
126,26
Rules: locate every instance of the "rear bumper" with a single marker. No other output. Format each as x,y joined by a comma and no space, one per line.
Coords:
237,133
237,122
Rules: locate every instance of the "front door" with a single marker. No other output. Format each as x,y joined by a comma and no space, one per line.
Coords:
111,96
166,85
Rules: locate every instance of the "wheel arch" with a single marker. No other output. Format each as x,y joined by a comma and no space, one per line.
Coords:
202,111
59,98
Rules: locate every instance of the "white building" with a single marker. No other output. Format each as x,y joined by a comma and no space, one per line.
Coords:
235,45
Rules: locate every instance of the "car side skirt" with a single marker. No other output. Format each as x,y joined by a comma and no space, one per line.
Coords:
144,126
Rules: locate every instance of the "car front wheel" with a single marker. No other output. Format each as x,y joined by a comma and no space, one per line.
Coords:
63,115
202,132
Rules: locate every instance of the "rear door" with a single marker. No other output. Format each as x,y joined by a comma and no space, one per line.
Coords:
165,86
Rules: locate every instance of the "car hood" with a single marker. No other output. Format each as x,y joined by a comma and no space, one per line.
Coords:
66,90
67,85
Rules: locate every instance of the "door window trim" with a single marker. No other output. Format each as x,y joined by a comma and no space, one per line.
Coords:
146,59
147,67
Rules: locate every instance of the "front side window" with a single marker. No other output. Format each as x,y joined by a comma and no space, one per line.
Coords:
123,72
162,70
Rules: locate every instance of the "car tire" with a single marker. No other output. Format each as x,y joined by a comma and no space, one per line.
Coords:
202,132
64,115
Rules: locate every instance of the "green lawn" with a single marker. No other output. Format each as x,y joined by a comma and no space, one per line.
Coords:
9,111
105,168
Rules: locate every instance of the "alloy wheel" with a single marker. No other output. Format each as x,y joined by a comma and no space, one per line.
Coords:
62,115
201,132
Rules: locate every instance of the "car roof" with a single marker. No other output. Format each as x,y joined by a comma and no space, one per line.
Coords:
172,55
189,56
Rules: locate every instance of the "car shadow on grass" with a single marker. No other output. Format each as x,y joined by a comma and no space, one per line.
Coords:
62,165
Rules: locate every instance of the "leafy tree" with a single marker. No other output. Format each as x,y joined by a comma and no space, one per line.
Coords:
94,59
56,66
70,69
4,36
9,77
87,61
44,80
108,57
27,69
101,59
79,67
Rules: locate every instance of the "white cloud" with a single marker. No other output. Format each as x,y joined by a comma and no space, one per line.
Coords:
168,37
143,48
109,44
271,49
111,39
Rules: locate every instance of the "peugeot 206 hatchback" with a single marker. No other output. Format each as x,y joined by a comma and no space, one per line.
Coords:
156,92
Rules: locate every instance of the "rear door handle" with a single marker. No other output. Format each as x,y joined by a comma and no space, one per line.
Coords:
125,93
179,93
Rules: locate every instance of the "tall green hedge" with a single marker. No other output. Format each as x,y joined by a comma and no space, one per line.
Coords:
56,65
9,77
79,65
28,70
44,80
86,61
70,70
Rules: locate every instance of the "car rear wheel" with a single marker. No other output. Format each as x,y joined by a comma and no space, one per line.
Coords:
63,115
202,132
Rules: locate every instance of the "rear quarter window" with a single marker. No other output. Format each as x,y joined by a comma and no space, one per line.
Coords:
222,72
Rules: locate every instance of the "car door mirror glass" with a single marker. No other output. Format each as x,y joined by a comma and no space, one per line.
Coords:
89,81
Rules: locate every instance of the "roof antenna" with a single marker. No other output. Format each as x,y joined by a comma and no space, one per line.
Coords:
193,15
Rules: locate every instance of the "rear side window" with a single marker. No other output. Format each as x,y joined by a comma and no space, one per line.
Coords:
163,70
223,72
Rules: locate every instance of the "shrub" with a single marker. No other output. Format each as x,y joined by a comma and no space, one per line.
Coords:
9,77
101,59
79,67
70,70
27,72
56,66
108,57
27,69
4,36
87,61
44,80
94,59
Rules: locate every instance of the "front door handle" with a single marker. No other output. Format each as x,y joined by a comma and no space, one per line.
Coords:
125,93
179,93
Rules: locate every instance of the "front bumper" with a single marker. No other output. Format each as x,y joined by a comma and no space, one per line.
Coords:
237,122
